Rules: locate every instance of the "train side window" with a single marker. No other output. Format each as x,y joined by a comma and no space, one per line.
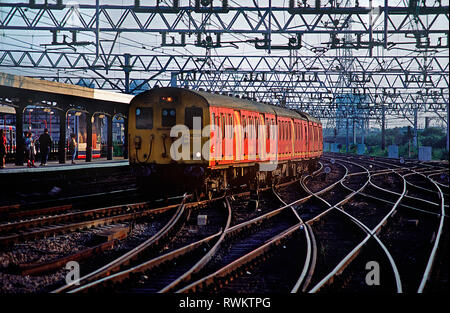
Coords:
223,126
244,124
168,117
253,127
144,118
217,122
280,130
189,115
213,122
227,128
288,131
232,126
275,129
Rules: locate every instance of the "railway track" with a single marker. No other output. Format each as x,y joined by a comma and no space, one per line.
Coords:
351,211
401,257
14,212
45,226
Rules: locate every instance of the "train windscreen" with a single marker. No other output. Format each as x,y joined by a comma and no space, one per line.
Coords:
144,118
189,115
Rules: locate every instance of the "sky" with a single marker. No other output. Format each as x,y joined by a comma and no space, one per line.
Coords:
233,44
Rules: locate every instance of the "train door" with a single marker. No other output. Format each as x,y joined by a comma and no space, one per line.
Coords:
320,139
309,139
303,145
222,121
316,129
228,153
238,145
244,123
260,137
280,138
249,133
314,139
269,135
291,138
296,138
254,141
215,136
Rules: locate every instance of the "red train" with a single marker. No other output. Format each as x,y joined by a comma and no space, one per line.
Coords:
247,142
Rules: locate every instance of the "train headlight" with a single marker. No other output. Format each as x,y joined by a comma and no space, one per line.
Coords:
137,142
198,155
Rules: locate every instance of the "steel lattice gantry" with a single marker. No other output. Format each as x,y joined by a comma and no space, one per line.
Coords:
393,52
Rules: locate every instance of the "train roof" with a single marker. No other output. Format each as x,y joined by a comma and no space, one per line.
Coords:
218,100
246,104
7,109
309,117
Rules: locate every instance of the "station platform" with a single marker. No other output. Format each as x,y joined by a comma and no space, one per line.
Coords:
55,166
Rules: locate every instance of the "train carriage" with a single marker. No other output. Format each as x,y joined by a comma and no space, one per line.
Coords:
242,136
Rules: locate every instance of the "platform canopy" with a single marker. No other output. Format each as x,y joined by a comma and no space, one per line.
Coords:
45,86
7,109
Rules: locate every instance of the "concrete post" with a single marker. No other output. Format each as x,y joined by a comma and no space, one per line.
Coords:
415,129
62,148
89,120
362,131
346,138
448,126
20,144
383,129
109,152
125,141
354,131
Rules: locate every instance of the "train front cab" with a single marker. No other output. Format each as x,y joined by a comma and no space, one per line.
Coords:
152,115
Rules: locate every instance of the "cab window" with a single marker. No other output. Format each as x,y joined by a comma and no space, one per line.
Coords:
169,117
189,115
144,118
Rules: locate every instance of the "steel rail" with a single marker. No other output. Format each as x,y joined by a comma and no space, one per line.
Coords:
205,259
148,265
309,247
64,228
256,252
350,256
250,256
127,257
436,240
154,262
185,249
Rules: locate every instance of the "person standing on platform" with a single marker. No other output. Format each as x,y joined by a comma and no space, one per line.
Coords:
45,143
2,149
30,151
73,147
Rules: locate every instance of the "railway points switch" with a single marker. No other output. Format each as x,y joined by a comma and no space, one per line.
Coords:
114,233
202,220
